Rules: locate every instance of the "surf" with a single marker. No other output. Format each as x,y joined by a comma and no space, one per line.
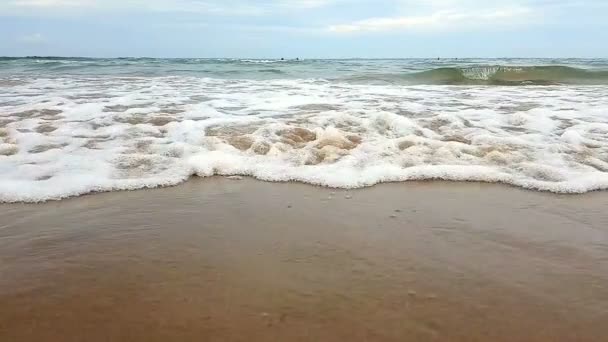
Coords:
510,75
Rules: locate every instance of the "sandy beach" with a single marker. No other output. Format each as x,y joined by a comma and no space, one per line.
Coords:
243,260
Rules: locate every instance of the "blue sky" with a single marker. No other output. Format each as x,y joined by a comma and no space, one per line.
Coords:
305,28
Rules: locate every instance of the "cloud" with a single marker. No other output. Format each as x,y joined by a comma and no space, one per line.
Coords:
441,15
304,3
439,20
221,7
34,38
44,3
43,8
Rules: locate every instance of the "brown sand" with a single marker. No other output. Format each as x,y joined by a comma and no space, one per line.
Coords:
229,260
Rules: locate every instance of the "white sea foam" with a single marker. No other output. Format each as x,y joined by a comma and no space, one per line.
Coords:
69,136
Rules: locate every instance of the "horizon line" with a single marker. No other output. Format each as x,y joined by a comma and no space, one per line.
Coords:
292,58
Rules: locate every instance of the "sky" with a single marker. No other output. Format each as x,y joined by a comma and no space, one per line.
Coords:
304,28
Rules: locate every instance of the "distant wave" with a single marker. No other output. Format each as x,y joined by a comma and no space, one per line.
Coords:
552,74
405,72
272,71
493,75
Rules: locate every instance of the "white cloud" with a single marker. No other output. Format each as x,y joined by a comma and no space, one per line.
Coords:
304,3
227,7
439,20
48,3
34,38
189,6
51,3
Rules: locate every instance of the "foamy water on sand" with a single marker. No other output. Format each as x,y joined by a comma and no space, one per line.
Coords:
74,128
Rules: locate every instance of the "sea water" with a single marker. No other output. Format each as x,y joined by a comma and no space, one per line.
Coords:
70,126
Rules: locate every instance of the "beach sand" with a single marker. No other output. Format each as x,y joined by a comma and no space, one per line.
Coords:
242,260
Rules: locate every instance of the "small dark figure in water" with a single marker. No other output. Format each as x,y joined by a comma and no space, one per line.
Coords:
282,59
297,59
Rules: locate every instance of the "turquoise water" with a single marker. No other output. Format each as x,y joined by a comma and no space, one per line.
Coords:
392,71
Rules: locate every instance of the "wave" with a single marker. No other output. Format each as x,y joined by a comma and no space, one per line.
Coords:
272,71
68,136
511,75
398,72
488,75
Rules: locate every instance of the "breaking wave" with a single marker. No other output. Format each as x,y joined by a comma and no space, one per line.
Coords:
62,137
510,75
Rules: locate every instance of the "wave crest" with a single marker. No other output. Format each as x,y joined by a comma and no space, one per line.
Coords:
510,75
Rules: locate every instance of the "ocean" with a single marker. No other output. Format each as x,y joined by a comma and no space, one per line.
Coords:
72,126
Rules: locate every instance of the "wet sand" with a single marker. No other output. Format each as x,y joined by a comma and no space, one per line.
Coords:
243,260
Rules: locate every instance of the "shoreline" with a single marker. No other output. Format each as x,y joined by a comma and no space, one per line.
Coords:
216,259
196,178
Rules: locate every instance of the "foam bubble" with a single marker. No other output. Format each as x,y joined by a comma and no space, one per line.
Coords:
65,137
